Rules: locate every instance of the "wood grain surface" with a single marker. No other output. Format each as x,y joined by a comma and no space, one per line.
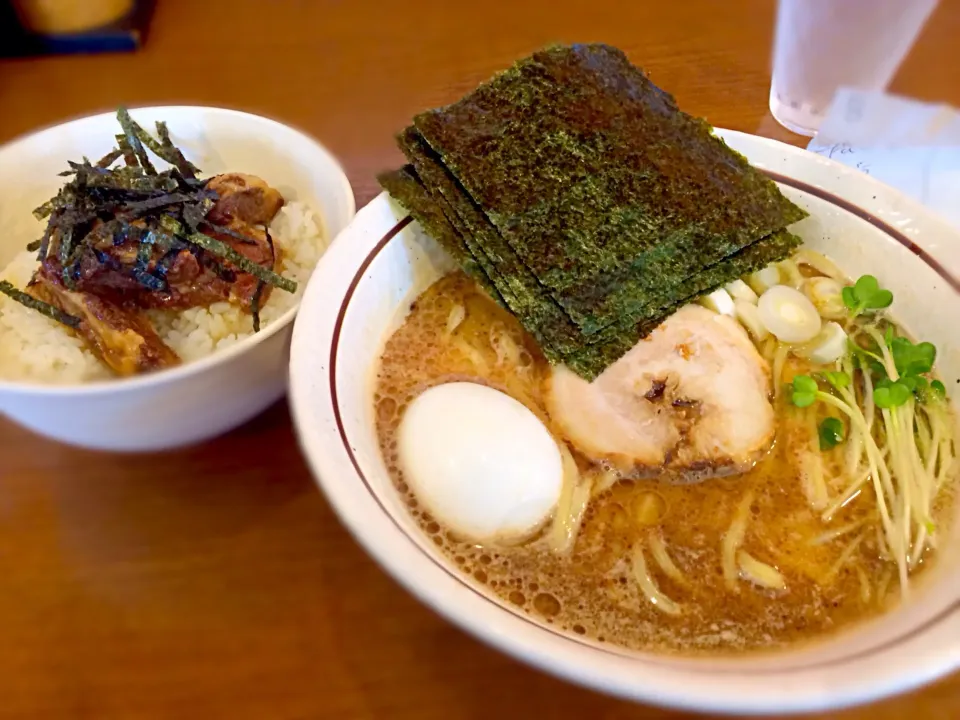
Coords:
216,582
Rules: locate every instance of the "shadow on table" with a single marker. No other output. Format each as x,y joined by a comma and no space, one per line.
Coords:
130,506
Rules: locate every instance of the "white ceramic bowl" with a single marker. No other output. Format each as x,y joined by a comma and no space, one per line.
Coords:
382,261
197,400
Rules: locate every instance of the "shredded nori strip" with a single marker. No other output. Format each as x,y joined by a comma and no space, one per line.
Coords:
52,312
133,183
117,226
144,252
173,154
163,148
141,207
224,251
229,232
126,151
127,232
255,305
195,213
64,254
85,168
130,132
273,249
45,210
44,245
149,280
154,145
111,157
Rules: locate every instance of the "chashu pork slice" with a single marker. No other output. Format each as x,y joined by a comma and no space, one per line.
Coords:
688,402
120,336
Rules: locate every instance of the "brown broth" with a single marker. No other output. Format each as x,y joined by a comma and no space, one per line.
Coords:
592,592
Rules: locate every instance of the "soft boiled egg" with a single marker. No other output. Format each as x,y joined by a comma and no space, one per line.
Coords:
480,462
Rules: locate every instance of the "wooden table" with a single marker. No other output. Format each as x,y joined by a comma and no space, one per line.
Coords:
217,582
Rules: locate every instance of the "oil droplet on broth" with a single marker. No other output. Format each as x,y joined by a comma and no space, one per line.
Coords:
546,604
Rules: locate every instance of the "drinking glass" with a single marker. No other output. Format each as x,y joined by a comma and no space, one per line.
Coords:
821,45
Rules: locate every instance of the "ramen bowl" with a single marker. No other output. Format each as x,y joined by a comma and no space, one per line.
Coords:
361,293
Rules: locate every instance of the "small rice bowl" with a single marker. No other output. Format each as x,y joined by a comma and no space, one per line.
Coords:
34,348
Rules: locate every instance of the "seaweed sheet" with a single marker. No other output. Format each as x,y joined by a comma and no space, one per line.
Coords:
593,359
524,295
444,193
405,186
596,179
527,298
596,352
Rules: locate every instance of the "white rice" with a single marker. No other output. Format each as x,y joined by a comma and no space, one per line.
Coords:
34,348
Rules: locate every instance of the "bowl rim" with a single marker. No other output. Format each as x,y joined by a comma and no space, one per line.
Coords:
219,357
332,473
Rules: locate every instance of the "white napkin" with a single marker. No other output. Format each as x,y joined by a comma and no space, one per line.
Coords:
910,145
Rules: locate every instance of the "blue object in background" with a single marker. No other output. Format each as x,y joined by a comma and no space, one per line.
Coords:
124,35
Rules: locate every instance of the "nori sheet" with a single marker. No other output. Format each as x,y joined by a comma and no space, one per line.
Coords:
525,296
405,186
595,353
599,182
528,299
593,359
443,192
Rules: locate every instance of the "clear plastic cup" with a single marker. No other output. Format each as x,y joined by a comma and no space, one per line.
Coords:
821,45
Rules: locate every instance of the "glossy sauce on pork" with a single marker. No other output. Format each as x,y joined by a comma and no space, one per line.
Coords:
110,301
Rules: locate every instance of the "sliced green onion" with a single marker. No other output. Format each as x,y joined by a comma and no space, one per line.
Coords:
739,290
720,302
789,314
827,347
763,280
826,295
749,317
